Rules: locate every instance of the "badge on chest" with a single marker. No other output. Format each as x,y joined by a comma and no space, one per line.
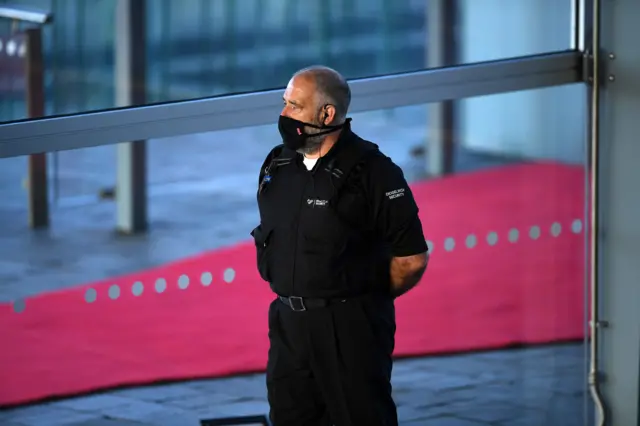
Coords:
317,202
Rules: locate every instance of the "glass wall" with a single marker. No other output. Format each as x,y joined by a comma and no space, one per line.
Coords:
200,48
495,330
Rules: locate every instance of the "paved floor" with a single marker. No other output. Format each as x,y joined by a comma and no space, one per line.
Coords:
530,387
199,187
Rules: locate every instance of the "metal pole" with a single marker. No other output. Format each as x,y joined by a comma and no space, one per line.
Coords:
576,23
596,323
131,183
442,49
37,165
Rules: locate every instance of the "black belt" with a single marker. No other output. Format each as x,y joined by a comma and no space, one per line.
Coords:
300,304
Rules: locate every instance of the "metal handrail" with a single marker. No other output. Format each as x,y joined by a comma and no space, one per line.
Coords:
25,14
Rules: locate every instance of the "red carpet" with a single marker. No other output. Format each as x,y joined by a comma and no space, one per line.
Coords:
490,296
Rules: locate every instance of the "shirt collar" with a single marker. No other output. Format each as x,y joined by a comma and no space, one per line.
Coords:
345,136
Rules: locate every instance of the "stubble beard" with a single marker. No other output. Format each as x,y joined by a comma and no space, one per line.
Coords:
313,143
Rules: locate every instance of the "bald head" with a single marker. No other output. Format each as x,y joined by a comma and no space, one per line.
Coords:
331,89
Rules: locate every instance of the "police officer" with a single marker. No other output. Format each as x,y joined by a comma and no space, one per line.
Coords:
339,239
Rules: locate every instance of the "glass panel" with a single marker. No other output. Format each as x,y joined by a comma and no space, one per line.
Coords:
495,329
202,48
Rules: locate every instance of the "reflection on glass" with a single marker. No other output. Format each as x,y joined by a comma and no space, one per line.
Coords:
202,48
496,325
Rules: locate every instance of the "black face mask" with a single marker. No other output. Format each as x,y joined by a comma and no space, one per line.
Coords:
293,135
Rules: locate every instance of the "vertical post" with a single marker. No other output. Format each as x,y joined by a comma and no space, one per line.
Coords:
232,32
204,32
616,273
321,30
131,182
165,13
384,62
442,118
37,166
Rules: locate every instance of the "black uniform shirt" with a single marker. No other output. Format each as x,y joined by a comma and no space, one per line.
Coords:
393,209
312,243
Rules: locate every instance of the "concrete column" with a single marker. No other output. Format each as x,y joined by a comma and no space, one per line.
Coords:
618,230
131,179
38,180
442,50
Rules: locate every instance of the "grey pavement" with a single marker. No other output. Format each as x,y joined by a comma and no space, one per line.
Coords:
202,197
542,386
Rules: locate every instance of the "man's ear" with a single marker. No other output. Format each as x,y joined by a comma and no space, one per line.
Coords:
329,114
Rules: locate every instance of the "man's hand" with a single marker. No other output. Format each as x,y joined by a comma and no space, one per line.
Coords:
406,271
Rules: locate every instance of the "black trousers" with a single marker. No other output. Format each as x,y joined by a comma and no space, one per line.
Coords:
332,365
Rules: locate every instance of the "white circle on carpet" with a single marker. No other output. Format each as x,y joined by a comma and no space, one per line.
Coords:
183,282
114,292
534,232
161,285
206,279
471,241
492,238
137,288
229,275
19,305
90,295
576,226
449,244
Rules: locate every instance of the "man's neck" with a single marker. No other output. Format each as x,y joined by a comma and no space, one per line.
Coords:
326,145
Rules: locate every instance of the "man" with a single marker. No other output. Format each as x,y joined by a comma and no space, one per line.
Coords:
339,238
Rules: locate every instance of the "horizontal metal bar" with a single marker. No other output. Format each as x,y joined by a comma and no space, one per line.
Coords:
227,112
25,14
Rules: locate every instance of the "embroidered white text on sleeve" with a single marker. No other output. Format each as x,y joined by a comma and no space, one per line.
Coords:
396,193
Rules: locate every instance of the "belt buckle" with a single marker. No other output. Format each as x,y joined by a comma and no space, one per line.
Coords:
298,306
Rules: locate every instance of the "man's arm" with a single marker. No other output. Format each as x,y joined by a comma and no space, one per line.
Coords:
406,272
398,224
